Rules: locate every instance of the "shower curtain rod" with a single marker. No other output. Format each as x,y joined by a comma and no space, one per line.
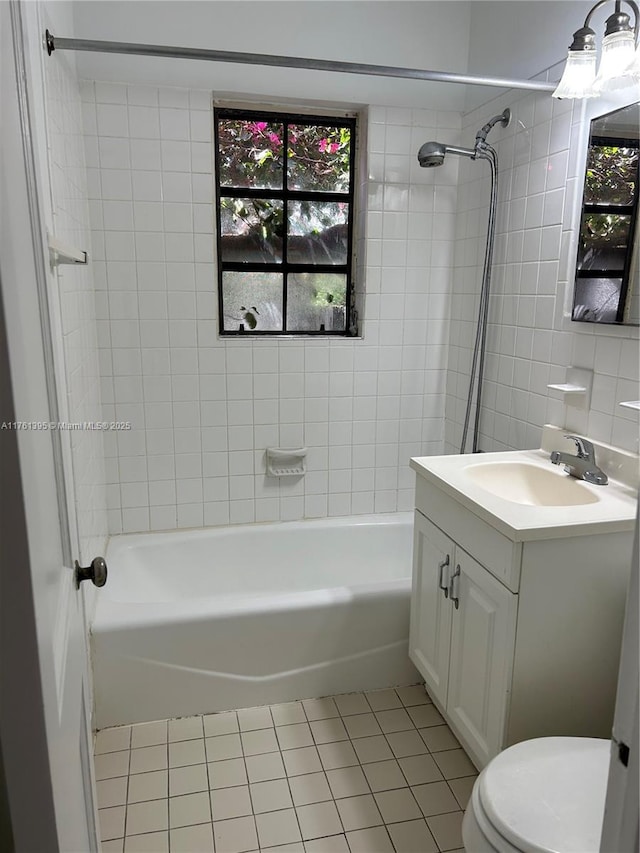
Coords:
55,43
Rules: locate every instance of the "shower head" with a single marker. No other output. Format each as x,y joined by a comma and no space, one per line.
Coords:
433,153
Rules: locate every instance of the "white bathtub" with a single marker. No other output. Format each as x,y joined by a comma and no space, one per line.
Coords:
207,620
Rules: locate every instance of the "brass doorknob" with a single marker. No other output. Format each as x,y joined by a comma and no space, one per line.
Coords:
96,572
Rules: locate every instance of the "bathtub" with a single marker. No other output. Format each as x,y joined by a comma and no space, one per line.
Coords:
207,620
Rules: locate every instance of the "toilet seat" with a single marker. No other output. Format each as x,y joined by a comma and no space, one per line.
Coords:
543,795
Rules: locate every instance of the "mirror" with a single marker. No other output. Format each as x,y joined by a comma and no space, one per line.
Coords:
606,284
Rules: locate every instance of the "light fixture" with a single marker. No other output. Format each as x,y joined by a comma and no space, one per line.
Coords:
620,61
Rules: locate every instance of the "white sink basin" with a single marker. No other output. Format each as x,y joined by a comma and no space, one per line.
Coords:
524,483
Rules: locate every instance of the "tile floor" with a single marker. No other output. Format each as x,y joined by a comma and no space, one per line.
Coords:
372,772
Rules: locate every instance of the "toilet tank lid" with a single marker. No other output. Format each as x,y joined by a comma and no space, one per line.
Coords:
548,794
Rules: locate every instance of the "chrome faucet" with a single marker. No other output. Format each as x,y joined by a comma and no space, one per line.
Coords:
583,465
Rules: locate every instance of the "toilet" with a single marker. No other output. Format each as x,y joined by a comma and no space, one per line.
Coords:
544,795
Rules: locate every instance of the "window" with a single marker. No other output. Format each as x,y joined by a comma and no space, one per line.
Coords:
285,222
604,270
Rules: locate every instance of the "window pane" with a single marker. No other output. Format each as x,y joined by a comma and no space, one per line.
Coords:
253,299
315,300
318,232
251,230
603,241
612,174
596,300
318,158
250,153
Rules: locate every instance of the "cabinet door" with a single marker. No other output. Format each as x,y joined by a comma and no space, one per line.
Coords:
430,634
482,648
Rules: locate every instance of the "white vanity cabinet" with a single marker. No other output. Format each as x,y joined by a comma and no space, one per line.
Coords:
532,648
462,637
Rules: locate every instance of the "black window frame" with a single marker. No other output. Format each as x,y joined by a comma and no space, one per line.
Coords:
630,210
285,194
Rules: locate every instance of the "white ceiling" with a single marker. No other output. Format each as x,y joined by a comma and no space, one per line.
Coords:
506,38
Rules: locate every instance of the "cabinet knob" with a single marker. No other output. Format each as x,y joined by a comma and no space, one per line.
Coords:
441,568
455,599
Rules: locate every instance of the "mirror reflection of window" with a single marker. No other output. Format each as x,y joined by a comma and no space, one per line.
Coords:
606,284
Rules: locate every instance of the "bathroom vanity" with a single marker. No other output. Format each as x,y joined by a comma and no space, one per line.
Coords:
519,583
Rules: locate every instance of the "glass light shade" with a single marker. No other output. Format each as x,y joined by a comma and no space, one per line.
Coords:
578,77
615,71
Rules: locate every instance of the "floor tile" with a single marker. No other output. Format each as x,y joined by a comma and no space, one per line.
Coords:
383,700
296,847
288,713
439,738
332,844
114,845
414,695
111,822
384,775
362,725
318,819
185,728
425,715
294,736
112,792
310,788
372,749
187,752
374,840
462,788
339,754
192,839
319,709
406,743
224,774
223,746
258,741
237,835
277,828
352,703
190,809
358,812
328,731
419,769
149,842
148,786
231,802
111,765
270,796
454,763
251,719
263,768
148,758
188,780
396,720
301,761
147,817
225,723
435,798
148,734
447,830
412,836
397,805
112,740
347,782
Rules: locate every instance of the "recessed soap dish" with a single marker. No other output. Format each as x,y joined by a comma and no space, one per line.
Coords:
286,461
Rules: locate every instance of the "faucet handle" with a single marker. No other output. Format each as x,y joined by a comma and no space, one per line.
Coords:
585,448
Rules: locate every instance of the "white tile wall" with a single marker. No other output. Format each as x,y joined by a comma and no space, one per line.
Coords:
74,303
205,409
528,343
